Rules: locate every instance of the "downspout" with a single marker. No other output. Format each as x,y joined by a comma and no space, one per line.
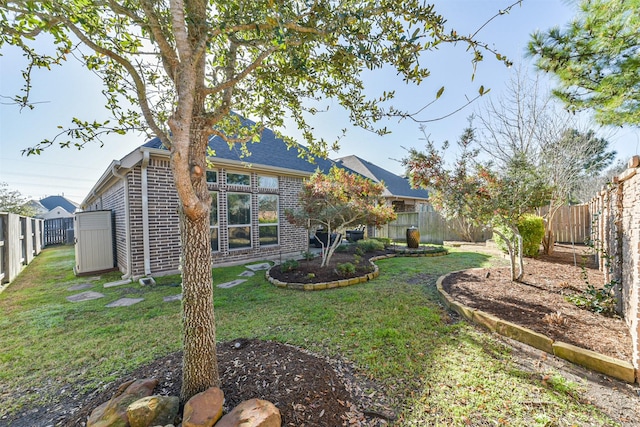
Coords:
127,225
145,214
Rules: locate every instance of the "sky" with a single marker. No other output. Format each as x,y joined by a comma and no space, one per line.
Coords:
70,90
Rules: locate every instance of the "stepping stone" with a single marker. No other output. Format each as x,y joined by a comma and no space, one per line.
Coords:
124,302
118,283
172,298
79,287
261,266
231,284
84,296
247,273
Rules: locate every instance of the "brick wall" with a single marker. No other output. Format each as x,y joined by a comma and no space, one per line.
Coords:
616,234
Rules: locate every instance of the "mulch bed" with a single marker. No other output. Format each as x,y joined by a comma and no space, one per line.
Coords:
308,390
539,301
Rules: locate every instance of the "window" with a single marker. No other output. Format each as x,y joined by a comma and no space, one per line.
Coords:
212,177
268,219
238,179
239,219
267,181
213,218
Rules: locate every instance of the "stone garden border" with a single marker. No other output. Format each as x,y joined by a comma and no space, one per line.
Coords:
354,280
592,360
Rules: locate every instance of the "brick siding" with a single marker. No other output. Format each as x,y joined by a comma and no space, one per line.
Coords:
164,233
616,233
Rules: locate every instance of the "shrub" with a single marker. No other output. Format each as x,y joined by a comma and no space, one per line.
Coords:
602,301
343,247
370,245
289,265
307,255
531,229
385,241
345,269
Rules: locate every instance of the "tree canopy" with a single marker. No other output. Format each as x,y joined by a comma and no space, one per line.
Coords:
179,68
596,59
339,200
485,197
12,201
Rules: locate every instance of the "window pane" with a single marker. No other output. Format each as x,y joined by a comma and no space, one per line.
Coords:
267,182
239,206
239,237
213,215
238,179
212,177
214,239
268,209
268,235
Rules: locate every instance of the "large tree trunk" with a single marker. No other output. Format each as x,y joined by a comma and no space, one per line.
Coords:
188,160
199,362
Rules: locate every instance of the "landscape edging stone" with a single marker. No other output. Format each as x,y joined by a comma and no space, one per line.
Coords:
349,282
595,361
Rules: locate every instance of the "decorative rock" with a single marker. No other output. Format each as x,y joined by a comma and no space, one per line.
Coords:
114,412
153,411
204,409
252,413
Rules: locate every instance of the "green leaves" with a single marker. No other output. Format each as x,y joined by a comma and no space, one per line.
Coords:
596,60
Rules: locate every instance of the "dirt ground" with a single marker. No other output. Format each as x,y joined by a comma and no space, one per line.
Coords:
315,391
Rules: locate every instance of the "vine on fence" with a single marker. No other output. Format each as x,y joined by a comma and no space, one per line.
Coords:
599,300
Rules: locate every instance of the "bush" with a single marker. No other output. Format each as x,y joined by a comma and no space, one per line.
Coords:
531,229
370,245
346,269
307,255
289,265
384,240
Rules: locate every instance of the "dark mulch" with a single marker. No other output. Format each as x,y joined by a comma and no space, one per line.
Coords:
307,389
539,301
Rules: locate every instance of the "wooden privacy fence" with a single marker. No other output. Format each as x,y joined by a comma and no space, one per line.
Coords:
21,240
571,224
432,226
58,231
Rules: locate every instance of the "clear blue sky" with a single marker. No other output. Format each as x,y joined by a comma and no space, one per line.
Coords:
70,91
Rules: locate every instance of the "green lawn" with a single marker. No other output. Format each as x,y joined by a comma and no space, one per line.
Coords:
392,329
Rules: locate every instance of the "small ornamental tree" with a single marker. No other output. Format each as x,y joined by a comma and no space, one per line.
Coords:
339,200
486,198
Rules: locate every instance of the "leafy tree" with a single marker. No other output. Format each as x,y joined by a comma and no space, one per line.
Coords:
336,201
474,191
13,201
596,60
179,68
526,123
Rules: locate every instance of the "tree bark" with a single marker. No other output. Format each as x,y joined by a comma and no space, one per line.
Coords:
199,362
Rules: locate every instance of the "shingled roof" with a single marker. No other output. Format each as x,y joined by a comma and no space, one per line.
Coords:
270,151
396,185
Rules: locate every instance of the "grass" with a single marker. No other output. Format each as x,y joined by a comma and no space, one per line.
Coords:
436,371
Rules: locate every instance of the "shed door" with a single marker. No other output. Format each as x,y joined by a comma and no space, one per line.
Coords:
94,241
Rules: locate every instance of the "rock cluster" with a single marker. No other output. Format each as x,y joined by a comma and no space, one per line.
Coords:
133,405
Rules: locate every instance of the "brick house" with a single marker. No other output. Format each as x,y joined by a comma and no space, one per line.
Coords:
250,194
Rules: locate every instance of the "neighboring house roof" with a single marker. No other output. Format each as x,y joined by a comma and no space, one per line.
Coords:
53,202
270,151
57,212
395,185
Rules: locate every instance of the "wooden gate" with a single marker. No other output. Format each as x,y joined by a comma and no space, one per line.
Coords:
58,231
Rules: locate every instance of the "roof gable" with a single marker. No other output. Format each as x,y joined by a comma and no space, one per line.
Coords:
395,185
53,202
